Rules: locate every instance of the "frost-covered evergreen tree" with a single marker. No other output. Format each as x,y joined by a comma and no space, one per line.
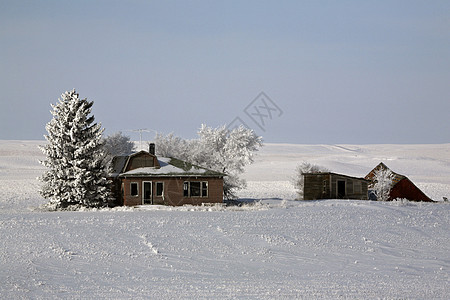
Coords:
305,167
383,180
75,159
219,149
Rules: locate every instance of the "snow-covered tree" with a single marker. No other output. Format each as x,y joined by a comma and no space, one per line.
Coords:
117,144
75,159
173,146
227,151
219,149
382,183
304,168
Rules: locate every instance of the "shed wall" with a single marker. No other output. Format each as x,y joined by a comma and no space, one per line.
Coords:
316,186
354,188
325,186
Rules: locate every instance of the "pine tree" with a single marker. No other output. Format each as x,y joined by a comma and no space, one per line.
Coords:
75,159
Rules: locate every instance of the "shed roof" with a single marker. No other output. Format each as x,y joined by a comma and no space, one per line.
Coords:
337,174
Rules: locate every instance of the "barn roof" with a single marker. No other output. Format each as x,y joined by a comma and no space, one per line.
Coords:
382,166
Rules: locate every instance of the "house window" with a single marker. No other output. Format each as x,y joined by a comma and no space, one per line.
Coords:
204,189
159,189
186,189
134,189
195,189
324,186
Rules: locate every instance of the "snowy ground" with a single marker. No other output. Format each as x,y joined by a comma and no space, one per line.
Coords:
278,248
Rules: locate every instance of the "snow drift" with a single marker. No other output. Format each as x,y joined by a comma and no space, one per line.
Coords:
274,248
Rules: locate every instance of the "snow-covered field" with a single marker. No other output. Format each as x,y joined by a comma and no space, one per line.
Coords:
276,249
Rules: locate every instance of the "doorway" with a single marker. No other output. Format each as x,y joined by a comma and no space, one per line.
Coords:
147,192
341,189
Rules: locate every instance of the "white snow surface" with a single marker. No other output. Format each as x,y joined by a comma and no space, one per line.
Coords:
277,248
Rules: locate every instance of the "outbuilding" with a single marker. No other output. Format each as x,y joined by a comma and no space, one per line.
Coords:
402,187
143,178
333,186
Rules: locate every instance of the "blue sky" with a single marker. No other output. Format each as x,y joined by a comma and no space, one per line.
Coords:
338,71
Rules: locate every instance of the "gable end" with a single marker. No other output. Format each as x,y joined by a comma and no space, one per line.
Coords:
141,160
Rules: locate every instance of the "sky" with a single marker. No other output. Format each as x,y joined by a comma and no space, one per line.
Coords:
305,72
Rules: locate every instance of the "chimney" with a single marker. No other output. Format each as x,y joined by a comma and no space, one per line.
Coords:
151,148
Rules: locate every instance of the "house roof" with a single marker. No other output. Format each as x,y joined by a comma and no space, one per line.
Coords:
167,167
118,164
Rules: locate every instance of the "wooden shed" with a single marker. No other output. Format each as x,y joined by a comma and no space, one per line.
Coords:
143,178
334,186
402,187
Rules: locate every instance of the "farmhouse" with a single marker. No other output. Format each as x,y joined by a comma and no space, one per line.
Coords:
333,186
142,178
402,187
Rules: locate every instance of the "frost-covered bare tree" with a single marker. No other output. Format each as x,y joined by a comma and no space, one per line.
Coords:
227,151
298,179
219,149
117,144
75,159
383,180
173,146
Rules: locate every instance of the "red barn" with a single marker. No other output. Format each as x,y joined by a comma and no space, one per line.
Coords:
402,187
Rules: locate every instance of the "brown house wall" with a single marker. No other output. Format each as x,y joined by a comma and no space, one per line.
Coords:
173,193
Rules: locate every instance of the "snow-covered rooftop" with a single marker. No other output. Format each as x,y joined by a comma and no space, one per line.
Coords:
168,167
171,166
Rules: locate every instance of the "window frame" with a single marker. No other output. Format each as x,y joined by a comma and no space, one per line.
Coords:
143,190
162,189
194,189
137,189
203,187
186,189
